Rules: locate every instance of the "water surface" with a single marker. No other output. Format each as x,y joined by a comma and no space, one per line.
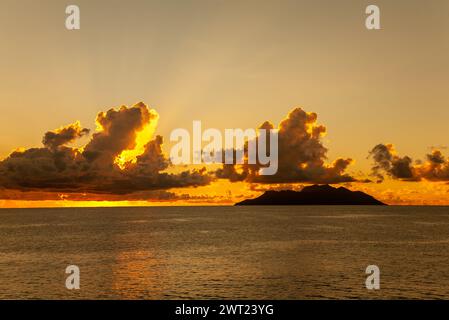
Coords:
225,252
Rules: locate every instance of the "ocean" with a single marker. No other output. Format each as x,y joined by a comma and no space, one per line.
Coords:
310,252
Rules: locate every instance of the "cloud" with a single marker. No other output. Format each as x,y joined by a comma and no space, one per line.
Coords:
385,161
117,131
62,136
436,168
152,195
121,158
301,155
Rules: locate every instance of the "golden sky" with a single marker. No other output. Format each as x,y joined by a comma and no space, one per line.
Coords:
231,64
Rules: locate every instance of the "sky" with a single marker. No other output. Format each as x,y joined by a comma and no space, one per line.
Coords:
233,64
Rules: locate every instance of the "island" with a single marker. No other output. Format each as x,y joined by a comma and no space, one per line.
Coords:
313,195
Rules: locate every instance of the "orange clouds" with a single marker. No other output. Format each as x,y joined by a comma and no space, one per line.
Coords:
64,135
386,161
124,161
301,152
93,169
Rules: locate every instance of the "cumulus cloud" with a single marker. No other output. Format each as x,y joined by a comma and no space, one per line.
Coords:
62,136
124,136
117,131
301,155
436,168
386,161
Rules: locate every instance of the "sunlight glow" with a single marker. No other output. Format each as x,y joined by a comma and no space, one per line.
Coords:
144,136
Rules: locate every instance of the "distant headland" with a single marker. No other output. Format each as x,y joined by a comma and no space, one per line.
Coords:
313,195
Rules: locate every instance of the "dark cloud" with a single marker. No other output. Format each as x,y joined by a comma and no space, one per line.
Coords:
118,131
436,168
301,155
93,169
152,195
64,135
436,157
386,161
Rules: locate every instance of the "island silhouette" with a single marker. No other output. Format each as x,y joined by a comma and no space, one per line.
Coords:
312,195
